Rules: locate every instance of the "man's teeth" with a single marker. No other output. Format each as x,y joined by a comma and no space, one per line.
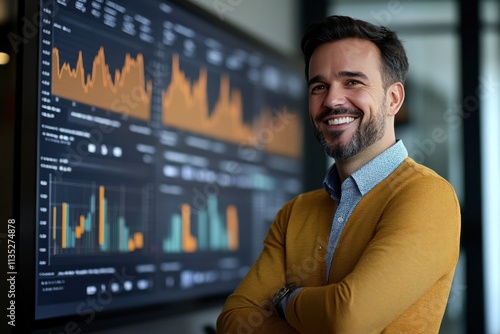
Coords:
341,120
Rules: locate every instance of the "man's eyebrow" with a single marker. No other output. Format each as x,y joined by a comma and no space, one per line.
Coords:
352,74
315,79
341,74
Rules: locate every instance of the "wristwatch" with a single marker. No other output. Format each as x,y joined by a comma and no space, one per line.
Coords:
282,293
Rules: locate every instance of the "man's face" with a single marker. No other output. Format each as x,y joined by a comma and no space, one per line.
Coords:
347,100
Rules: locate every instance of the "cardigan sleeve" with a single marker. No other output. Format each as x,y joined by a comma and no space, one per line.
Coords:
249,309
416,243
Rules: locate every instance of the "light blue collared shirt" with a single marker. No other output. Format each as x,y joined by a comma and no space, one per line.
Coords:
349,193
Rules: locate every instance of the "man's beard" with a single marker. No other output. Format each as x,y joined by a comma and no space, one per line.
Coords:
365,135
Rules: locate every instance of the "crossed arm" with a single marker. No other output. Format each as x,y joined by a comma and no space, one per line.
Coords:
407,266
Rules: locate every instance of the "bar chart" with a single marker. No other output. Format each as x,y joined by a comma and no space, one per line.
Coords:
91,218
209,229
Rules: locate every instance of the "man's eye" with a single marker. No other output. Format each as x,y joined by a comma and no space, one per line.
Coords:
353,82
318,88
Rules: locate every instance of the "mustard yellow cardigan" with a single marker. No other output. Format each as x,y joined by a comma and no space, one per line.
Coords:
391,272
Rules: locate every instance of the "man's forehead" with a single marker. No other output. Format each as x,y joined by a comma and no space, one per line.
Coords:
351,47
344,56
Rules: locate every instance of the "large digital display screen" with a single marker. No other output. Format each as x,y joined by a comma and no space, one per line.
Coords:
166,145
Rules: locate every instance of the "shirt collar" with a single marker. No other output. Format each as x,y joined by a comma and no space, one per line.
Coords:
370,174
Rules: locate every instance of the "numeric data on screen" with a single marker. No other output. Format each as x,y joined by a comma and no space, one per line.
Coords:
166,145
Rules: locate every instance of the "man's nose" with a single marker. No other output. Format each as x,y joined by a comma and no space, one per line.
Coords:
335,97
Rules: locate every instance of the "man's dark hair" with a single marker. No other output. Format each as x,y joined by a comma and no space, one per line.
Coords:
334,28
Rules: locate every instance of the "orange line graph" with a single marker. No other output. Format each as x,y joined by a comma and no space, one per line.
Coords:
127,93
185,106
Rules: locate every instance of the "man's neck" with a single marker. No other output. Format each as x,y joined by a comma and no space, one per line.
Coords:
347,167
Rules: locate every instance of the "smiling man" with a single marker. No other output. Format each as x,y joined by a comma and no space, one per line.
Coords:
351,108
375,250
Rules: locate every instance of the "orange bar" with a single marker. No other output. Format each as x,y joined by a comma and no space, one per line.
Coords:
54,221
64,222
131,245
79,228
189,242
232,227
101,215
138,240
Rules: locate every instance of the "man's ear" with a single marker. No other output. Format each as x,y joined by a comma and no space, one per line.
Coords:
395,97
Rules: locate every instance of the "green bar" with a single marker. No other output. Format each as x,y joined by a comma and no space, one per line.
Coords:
88,221
173,243
107,241
213,217
105,245
121,235
92,203
167,246
218,235
72,239
176,235
202,230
